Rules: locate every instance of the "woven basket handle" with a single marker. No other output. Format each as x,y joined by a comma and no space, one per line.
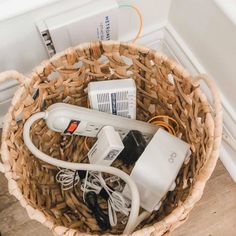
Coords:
11,75
217,108
218,121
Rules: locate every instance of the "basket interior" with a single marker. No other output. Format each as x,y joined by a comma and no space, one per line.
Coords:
163,88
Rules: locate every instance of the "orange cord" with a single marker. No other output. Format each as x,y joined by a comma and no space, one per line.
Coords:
161,123
165,125
140,21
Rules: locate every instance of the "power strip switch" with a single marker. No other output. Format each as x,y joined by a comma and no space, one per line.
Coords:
117,97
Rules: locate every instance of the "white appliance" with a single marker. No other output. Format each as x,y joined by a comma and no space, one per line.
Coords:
117,97
198,34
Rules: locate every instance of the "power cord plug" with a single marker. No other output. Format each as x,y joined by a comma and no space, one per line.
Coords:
101,218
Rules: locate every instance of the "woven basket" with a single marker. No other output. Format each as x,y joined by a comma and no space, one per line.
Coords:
64,78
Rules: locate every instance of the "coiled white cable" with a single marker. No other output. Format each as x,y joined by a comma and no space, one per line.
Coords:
67,178
135,203
95,182
116,201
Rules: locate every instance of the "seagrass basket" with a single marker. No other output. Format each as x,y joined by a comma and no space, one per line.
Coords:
64,78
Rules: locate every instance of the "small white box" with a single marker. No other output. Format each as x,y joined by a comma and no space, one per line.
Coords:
117,97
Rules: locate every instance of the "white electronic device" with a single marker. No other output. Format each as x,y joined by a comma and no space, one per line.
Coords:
162,160
107,147
95,20
117,97
71,119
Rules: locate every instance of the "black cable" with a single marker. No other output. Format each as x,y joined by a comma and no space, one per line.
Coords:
91,201
81,174
101,218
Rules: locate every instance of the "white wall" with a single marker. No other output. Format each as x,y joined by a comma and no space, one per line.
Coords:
211,36
21,47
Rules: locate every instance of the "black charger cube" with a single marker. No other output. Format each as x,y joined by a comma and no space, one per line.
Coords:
134,145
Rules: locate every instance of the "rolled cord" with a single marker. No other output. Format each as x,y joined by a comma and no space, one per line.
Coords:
135,202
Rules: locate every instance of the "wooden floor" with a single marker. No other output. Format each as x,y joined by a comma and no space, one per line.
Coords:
214,215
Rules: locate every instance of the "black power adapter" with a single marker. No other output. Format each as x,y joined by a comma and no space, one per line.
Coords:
135,144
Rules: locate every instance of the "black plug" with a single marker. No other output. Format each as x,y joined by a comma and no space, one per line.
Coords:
135,144
101,218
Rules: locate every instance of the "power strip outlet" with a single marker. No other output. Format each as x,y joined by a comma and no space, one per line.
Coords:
96,20
71,119
117,97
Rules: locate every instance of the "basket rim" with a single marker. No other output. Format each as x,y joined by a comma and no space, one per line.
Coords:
180,214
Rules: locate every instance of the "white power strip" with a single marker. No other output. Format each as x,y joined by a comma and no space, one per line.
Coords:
70,119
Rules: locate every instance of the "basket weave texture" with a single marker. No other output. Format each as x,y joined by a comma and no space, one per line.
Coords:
163,88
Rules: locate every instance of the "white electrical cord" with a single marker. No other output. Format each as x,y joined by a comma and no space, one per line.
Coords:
67,179
135,203
143,216
116,201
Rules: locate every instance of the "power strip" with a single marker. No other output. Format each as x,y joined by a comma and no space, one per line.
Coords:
71,119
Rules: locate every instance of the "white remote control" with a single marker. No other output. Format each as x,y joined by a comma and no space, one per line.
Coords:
71,119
